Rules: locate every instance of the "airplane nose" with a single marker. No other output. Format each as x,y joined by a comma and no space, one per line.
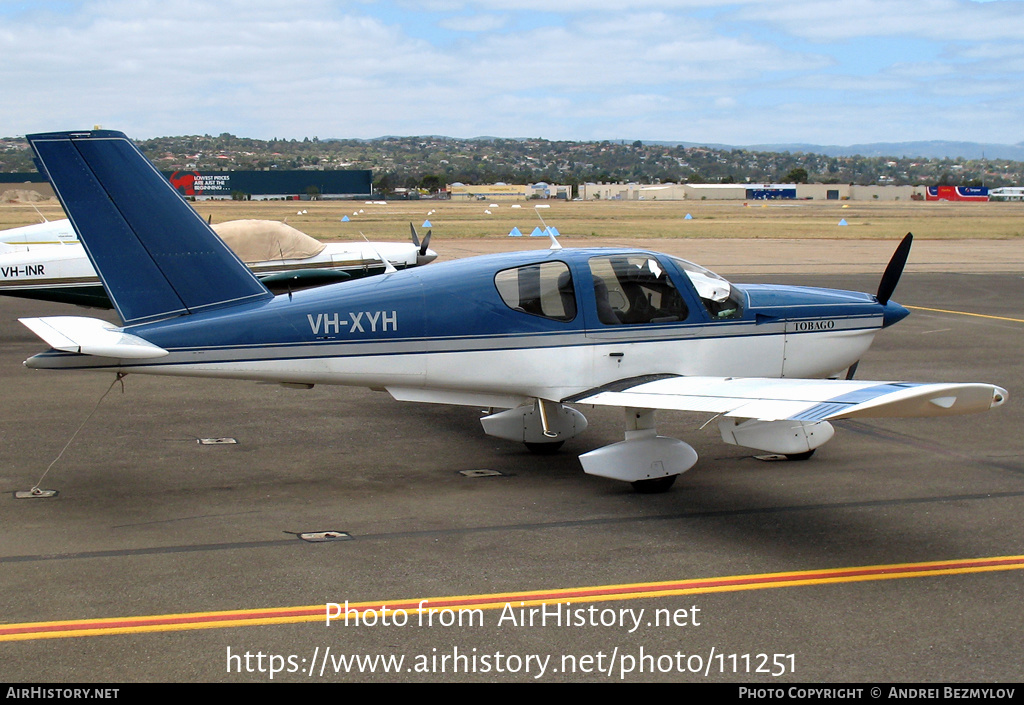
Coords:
892,312
427,257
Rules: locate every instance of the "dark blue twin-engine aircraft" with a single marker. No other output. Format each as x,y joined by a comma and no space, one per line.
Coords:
528,334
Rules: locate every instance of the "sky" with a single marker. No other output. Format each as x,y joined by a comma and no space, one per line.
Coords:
734,72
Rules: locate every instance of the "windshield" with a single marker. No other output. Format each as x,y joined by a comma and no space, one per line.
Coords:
719,297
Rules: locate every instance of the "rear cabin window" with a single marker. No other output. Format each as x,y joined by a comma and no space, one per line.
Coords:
544,289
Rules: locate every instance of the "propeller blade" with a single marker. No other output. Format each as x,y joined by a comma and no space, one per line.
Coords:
415,237
891,276
426,241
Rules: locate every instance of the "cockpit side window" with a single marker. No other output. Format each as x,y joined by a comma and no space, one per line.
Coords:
545,289
633,289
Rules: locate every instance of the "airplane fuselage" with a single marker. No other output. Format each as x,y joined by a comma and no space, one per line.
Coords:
500,329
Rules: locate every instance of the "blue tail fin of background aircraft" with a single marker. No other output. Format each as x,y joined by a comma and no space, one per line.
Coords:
156,256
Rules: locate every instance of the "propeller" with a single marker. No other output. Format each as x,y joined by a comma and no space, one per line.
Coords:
416,240
891,275
422,257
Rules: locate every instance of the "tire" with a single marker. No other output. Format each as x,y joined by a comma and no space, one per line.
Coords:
801,456
655,485
544,448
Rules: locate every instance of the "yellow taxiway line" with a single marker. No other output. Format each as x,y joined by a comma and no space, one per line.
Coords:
602,593
964,313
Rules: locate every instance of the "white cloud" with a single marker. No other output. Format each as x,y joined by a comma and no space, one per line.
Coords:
713,70
474,23
945,20
239,58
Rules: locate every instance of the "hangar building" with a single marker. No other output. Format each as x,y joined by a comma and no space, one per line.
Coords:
508,192
749,192
354,183
273,184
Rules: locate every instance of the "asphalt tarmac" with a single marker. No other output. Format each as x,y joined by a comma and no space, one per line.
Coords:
148,522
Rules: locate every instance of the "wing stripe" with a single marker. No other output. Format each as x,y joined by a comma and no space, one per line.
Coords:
821,411
841,403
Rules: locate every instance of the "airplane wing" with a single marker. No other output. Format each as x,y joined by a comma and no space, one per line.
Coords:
808,400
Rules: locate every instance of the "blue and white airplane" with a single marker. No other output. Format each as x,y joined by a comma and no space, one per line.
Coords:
526,334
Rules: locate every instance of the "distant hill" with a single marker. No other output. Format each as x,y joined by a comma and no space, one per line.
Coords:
930,149
430,162
933,149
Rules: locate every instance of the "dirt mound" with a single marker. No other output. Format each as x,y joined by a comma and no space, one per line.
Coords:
19,195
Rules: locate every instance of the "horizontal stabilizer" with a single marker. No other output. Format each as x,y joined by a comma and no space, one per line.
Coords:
798,399
91,336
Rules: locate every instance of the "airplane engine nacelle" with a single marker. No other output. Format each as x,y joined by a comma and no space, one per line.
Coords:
524,424
785,437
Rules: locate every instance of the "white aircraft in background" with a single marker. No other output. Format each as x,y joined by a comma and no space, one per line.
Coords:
531,333
49,232
47,262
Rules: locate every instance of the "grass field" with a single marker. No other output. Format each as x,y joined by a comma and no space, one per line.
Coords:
613,220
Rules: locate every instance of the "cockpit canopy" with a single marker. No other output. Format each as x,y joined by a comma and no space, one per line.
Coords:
628,288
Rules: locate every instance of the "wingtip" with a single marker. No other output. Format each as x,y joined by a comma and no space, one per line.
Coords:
999,396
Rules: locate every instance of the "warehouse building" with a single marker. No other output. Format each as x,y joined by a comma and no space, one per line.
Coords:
262,185
508,192
258,185
749,192
1006,193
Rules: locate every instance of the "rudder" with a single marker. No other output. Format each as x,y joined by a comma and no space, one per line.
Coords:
156,256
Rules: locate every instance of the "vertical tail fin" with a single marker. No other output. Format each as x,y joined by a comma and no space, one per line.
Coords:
156,256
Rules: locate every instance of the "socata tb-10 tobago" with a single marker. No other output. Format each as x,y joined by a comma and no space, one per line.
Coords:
529,332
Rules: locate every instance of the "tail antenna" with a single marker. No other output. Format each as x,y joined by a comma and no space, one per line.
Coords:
388,267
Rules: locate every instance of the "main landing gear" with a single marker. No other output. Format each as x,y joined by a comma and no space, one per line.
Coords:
649,462
544,426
